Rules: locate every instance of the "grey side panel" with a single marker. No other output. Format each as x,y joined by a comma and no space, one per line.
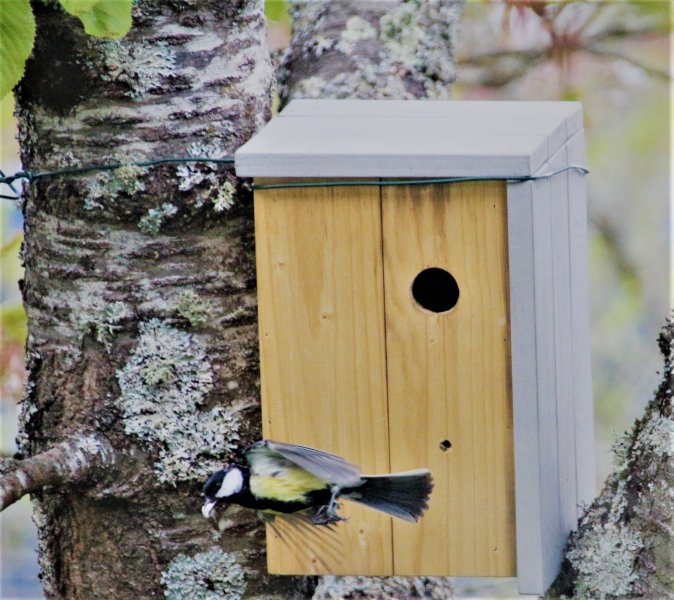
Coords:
525,388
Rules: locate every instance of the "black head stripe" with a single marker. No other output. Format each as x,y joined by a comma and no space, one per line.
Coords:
213,483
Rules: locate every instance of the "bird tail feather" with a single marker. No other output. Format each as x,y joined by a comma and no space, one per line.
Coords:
403,495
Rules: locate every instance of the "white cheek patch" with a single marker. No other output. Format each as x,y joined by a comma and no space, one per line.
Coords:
231,484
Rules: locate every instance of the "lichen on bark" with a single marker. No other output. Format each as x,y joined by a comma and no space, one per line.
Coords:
624,544
210,575
382,588
190,76
164,386
375,49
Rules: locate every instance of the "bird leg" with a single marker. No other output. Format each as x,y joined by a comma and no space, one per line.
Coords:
327,513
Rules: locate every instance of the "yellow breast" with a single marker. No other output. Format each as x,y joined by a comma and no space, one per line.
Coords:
286,485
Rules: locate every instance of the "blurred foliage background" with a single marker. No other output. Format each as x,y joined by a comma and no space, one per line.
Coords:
615,57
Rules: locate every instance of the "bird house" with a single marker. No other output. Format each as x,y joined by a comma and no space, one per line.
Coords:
408,321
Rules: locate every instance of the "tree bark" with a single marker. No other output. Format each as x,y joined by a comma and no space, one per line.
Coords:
402,49
140,294
624,544
139,288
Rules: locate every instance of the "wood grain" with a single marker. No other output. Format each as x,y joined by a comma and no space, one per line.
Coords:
321,323
516,343
449,377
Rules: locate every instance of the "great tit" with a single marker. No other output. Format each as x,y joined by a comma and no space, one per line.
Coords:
286,479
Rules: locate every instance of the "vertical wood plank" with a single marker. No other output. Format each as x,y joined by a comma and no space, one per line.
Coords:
553,446
321,323
530,548
561,271
580,314
553,540
449,377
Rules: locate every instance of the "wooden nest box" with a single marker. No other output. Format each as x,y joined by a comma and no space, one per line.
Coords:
441,325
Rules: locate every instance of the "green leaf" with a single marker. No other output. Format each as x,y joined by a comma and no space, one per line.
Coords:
17,32
101,18
13,325
277,10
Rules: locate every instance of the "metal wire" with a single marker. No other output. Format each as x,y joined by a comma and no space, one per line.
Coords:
30,176
382,182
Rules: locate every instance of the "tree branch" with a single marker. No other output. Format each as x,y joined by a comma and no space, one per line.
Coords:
528,54
70,461
503,66
622,547
616,55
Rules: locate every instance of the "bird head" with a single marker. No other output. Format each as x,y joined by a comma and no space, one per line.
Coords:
221,487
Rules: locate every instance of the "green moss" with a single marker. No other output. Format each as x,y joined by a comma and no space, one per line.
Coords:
401,42
128,179
141,66
356,29
204,179
103,322
224,197
109,185
235,314
151,223
420,36
193,308
402,33
164,386
211,575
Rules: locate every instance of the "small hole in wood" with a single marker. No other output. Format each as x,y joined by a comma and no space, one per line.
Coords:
445,445
435,290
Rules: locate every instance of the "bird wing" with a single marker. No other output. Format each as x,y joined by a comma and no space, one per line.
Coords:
324,465
319,544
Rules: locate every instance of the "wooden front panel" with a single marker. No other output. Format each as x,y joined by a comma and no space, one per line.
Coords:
449,377
322,352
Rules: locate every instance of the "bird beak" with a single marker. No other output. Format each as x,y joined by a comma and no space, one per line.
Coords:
208,509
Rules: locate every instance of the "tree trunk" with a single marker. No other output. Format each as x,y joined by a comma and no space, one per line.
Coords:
624,545
140,294
139,288
402,49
